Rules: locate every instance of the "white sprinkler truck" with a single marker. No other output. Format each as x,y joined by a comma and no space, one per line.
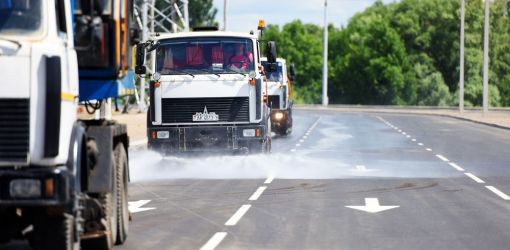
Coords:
63,181
279,95
207,92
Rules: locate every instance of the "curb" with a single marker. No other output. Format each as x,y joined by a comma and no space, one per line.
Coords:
401,111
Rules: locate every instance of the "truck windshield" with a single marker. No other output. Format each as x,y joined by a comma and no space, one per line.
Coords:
276,76
20,17
199,55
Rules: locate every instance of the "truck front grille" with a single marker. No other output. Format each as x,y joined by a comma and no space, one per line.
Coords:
228,109
14,129
274,101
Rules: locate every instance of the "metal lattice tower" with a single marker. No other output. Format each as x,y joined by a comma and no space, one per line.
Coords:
153,16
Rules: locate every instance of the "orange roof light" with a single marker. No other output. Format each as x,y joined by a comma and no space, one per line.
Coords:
262,24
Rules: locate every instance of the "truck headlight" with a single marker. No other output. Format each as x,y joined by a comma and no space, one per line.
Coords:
163,134
249,132
278,116
25,188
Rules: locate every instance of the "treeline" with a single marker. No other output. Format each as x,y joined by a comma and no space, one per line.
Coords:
404,53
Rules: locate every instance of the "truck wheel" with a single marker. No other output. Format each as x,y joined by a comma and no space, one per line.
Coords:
56,234
108,202
105,241
121,164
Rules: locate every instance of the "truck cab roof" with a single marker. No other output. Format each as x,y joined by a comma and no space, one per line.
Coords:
204,34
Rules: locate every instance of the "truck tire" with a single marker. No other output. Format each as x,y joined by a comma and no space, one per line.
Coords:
121,165
56,233
108,202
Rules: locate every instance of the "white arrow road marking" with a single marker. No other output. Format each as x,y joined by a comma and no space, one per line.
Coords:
372,206
137,206
362,169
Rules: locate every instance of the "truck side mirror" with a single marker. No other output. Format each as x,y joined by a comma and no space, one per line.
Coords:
292,72
271,52
140,68
271,57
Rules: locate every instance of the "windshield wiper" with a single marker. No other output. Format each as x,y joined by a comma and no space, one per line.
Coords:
173,71
206,71
233,71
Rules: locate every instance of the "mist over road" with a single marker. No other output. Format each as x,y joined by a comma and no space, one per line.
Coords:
427,183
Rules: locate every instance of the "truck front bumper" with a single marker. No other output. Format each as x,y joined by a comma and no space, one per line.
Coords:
205,138
35,186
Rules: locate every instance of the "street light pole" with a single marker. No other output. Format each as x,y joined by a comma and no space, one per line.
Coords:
486,60
225,15
325,58
461,76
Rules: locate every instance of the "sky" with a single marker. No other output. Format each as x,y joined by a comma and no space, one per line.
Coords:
243,15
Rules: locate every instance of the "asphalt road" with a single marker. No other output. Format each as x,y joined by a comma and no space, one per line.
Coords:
447,182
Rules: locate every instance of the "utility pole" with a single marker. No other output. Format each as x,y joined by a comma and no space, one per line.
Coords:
325,58
225,15
486,60
186,15
461,76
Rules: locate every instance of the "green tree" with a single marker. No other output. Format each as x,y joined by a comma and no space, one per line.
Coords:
202,12
300,44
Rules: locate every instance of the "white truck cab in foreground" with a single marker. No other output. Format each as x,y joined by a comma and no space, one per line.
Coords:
63,181
279,96
206,93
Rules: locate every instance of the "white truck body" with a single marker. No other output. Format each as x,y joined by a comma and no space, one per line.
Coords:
228,101
23,77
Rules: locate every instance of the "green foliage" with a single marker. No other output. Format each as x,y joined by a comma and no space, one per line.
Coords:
403,53
300,44
201,13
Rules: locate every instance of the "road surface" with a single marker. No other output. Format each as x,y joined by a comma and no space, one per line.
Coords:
339,181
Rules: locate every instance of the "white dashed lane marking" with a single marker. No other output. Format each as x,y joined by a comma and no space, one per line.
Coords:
238,215
498,192
269,180
474,177
456,166
214,241
442,158
255,196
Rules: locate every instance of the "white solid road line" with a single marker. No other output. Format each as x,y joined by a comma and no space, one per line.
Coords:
255,196
214,241
238,215
498,192
456,166
269,180
442,158
472,176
